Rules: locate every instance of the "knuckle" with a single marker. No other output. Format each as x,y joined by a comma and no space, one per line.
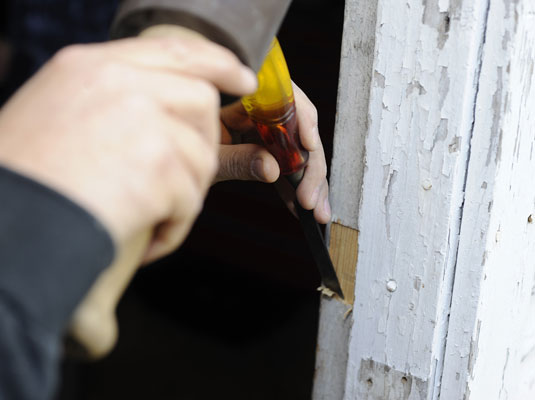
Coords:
113,73
177,46
212,166
110,70
227,63
208,94
197,202
137,104
165,156
192,198
68,56
206,168
197,164
109,74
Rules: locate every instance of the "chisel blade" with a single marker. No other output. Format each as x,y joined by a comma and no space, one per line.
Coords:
316,243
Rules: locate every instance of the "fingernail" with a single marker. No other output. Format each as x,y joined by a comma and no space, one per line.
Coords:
327,207
249,79
257,169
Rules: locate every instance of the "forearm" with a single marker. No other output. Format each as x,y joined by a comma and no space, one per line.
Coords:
51,252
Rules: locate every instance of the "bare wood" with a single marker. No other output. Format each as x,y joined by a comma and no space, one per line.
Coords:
343,247
94,324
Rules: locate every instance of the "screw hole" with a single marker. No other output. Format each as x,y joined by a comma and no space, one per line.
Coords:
370,382
404,380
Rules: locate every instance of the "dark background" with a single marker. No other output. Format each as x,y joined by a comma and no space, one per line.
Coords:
233,313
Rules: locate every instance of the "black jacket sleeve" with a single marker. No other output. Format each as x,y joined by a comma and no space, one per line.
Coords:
51,252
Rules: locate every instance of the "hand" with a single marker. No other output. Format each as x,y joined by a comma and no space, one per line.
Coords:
127,129
242,156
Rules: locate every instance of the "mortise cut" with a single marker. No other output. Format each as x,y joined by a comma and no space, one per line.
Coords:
343,248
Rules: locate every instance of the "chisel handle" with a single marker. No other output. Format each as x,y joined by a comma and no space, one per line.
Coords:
272,109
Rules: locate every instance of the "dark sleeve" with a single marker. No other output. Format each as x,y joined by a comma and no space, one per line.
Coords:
51,251
245,27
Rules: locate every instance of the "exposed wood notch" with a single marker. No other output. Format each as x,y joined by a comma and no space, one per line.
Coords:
343,247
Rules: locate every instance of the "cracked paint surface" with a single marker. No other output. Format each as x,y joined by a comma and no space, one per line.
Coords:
420,121
440,198
491,337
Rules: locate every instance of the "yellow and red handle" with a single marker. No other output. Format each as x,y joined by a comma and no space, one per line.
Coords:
272,109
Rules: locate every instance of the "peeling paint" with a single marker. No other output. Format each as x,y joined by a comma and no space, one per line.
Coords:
436,114
443,86
503,388
415,87
441,133
455,8
388,199
455,145
505,41
531,351
474,349
417,283
379,79
496,132
435,19
495,270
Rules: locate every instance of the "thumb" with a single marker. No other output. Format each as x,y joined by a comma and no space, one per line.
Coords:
247,162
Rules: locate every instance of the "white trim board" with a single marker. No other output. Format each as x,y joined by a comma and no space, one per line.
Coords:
438,178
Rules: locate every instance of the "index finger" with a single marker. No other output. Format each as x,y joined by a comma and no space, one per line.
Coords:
182,52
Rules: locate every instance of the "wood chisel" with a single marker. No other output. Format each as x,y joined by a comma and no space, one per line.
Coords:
272,109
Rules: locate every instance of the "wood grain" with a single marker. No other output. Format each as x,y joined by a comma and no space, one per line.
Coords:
344,248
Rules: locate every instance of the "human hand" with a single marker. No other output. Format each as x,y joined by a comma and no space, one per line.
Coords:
127,129
242,156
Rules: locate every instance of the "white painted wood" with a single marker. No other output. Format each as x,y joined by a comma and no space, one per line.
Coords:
421,109
491,338
445,285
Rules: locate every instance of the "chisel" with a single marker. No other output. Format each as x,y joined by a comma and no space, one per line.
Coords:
272,109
